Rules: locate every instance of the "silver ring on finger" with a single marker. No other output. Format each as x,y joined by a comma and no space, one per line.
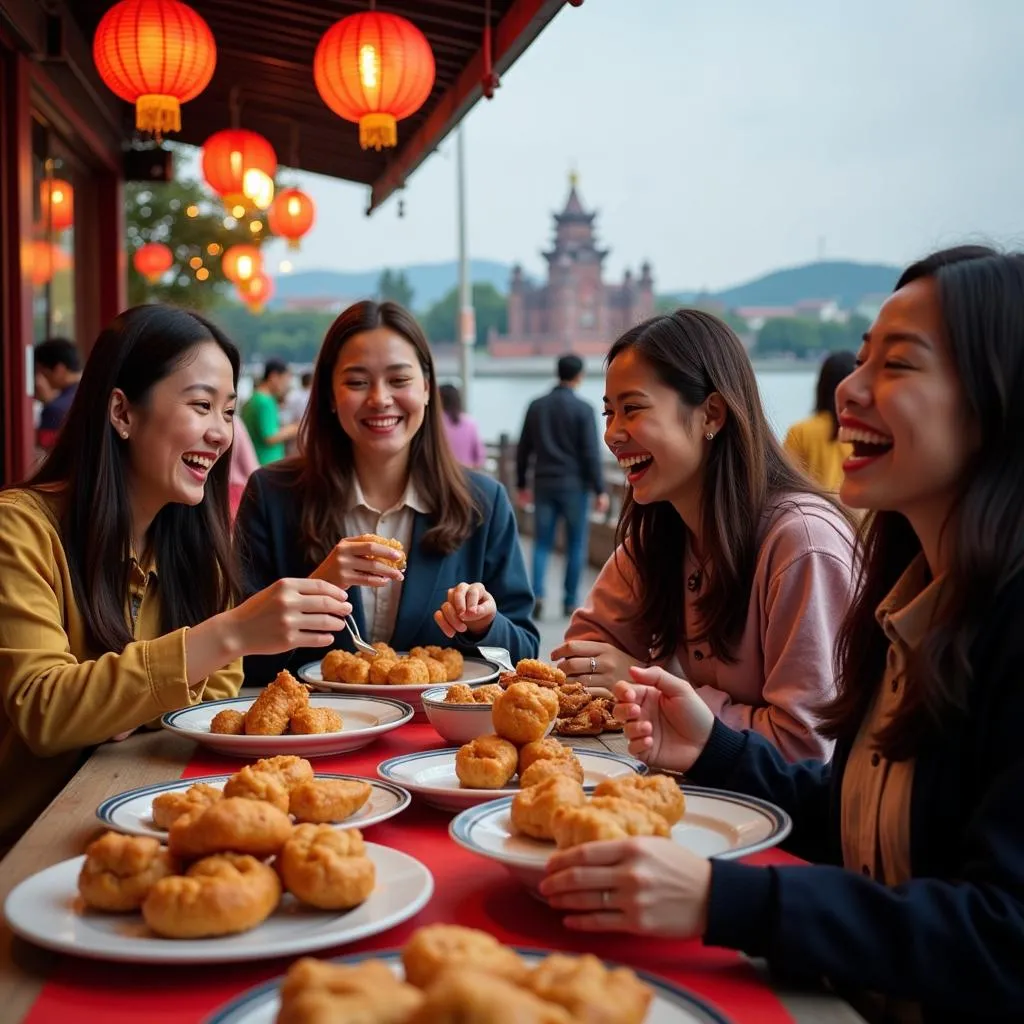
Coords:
606,898
593,666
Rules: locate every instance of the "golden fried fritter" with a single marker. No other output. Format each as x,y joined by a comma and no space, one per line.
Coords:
488,762
486,694
228,723
459,693
523,712
330,666
570,767
658,792
383,651
409,672
475,996
531,668
380,670
291,769
250,784
533,808
572,699
388,542
270,712
605,817
538,750
325,800
168,807
326,867
439,947
435,670
119,871
589,991
315,720
315,992
454,664
232,824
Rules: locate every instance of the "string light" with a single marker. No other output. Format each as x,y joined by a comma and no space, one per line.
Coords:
202,274
196,262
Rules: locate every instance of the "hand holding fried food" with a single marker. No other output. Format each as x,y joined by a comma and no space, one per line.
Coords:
168,807
660,793
440,947
326,868
219,895
488,762
249,783
310,721
533,808
228,723
232,824
523,712
399,562
327,800
120,870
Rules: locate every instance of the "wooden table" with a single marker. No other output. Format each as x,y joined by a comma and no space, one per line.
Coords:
69,823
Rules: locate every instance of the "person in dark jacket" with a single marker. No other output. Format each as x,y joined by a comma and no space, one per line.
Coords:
913,905
374,461
559,437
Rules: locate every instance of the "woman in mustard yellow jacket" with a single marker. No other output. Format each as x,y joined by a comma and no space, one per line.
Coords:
116,586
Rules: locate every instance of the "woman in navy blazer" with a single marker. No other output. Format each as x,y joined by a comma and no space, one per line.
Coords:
914,903
374,459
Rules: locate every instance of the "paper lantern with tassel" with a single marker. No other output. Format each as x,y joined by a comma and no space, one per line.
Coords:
57,200
241,263
239,165
291,215
156,54
375,69
153,260
43,260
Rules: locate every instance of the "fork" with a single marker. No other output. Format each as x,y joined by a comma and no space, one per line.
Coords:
360,643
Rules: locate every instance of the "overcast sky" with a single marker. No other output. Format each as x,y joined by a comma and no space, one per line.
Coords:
724,139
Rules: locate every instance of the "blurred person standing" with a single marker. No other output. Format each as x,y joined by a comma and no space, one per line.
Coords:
293,408
58,369
559,438
262,413
463,433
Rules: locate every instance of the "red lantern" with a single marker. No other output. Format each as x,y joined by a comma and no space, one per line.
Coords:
374,69
239,165
256,292
153,260
156,54
57,199
241,263
43,260
291,215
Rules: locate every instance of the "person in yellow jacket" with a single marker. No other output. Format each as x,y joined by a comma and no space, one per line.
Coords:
116,579
813,443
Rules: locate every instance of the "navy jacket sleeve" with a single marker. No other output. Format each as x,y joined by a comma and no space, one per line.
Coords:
951,939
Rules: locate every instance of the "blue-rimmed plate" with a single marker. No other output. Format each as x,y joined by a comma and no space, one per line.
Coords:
131,812
716,824
364,718
430,775
672,1004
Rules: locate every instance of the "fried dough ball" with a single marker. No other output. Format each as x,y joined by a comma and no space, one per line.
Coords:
523,712
488,762
349,668
533,808
605,817
251,784
291,769
383,651
330,666
228,723
168,807
389,542
420,653
487,694
539,750
270,712
314,992
409,672
658,792
440,947
531,668
380,670
570,767
316,720
474,996
119,871
572,699
437,653
323,800
435,670
233,824
326,867
459,693
220,895
589,991
454,663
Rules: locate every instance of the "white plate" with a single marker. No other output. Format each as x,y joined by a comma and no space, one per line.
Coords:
475,670
364,719
459,723
45,909
131,812
716,824
430,774
672,1004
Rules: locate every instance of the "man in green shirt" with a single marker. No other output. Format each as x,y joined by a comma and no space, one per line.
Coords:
261,413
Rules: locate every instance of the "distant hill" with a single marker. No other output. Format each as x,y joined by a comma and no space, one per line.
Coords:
429,281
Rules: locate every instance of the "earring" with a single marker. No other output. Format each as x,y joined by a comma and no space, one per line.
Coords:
709,436
124,434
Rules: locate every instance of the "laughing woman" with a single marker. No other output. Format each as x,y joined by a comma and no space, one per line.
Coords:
730,564
914,905
115,572
375,460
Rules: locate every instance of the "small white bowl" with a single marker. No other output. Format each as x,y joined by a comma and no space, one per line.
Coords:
457,723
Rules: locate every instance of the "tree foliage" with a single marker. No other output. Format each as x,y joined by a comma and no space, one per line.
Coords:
804,337
394,286
491,308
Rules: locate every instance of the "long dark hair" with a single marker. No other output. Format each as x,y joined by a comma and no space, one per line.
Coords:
326,463
982,297
87,469
697,355
836,367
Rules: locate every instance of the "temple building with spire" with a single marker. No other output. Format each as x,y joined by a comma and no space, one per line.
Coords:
576,310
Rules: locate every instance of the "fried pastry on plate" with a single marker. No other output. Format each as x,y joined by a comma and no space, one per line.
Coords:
604,818
486,694
314,992
531,668
270,712
589,991
168,807
409,672
383,651
232,824
459,693
344,667
548,766
315,720
120,870
439,947
251,784
291,769
326,800
228,723
533,808
380,670
488,762
539,750
462,995
572,699
326,868
658,792
523,712
454,663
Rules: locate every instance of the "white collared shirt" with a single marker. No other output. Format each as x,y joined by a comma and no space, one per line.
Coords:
380,604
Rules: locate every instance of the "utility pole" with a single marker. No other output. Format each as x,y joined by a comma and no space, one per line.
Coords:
466,320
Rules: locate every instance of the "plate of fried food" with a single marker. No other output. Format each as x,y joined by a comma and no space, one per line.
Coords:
446,972
236,881
286,719
403,676
522,831
289,782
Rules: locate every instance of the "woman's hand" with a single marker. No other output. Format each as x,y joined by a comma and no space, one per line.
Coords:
469,608
665,721
288,614
593,663
350,564
647,886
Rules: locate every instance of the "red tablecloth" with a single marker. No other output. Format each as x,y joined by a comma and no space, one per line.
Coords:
469,890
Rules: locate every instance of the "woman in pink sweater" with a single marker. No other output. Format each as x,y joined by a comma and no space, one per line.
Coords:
730,567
